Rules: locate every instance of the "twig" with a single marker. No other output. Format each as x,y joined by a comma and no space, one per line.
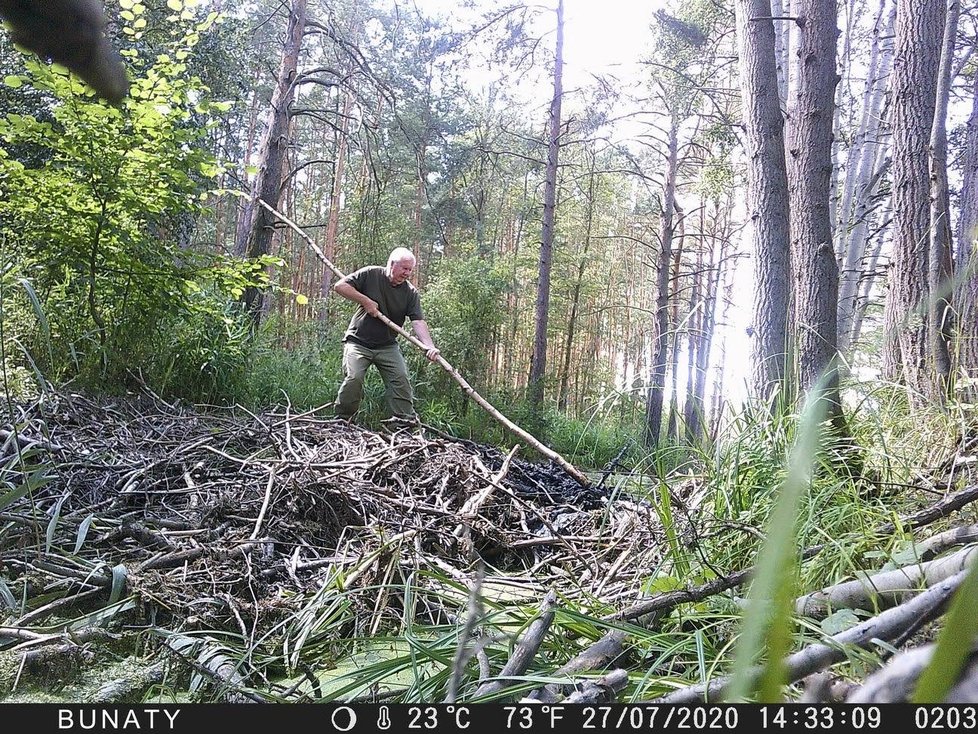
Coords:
264,504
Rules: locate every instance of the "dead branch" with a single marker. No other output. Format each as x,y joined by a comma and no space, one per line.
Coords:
524,653
885,589
596,656
896,681
603,690
885,626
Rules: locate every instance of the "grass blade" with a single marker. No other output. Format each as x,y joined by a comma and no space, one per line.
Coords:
769,619
954,643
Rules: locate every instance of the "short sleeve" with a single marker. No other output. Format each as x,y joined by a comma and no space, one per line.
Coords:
414,311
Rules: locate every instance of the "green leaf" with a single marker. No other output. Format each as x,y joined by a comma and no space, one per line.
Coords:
14,82
301,299
35,480
53,524
839,621
954,643
174,5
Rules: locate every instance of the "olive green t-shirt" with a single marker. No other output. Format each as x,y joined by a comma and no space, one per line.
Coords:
395,302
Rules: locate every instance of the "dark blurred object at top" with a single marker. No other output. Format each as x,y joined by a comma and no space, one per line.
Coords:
71,33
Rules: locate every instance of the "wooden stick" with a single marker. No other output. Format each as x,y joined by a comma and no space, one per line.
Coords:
466,387
525,652
886,626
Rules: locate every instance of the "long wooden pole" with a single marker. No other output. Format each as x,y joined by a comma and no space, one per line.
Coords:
466,387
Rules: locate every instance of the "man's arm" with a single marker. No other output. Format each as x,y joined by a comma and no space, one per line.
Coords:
424,336
350,293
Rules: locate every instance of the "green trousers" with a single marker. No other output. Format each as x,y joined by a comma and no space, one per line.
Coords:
390,363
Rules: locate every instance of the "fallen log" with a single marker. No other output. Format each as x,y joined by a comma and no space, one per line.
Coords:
886,626
896,681
884,589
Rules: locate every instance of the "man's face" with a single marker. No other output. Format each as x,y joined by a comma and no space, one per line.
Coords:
400,271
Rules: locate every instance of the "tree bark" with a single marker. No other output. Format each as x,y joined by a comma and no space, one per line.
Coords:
919,29
940,272
257,234
816,270
538,365
767,196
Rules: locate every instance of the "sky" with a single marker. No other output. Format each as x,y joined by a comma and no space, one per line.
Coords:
607,35
599,35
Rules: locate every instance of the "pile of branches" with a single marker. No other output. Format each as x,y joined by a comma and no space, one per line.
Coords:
229,519
225,519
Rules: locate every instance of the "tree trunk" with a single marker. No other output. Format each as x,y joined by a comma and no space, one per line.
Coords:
336,195
677,257
940,272
967,257
863,176
919,29
869,276
268,182
562,393
767,196
660,345
538,365
816,270
693,404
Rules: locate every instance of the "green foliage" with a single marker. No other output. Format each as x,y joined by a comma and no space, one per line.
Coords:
768,623
98,220
463,307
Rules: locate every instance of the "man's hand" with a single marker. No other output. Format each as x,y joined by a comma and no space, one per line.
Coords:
433,353
370,306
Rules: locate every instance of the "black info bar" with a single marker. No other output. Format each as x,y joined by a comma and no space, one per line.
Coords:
479,718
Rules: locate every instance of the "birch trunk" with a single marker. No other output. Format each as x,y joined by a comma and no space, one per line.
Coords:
967,256
863,174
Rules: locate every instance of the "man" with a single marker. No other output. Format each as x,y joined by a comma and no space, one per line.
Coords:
369,341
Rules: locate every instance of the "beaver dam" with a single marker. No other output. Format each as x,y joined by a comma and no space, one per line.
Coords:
157,552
